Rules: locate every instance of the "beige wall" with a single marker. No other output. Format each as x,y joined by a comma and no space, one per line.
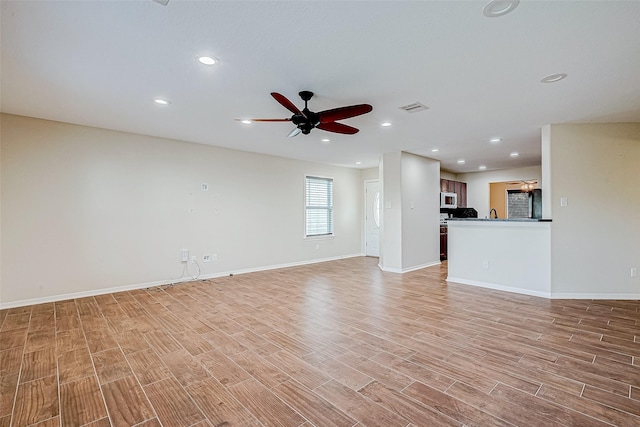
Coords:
410,233
86,209
596,237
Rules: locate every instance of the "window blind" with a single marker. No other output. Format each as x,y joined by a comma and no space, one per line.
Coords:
318,206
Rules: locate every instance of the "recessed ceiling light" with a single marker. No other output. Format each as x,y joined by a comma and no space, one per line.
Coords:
461,162
207,60
385,124
514,154
495,140
358,163
552,78
435,150
246,121
496,8
325,140
482,167
162,101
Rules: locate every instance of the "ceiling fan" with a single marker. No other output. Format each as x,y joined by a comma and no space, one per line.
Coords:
306,120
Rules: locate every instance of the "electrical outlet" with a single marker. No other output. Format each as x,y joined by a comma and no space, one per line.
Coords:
184,255
214,257
206,258
634,272
485,264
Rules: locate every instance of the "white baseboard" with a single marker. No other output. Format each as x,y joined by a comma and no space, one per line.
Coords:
548,295
499,287
84,294
407,270
563,295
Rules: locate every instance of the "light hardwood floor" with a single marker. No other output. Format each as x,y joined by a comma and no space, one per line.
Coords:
338,343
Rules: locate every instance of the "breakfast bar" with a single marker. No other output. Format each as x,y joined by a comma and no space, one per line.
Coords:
505,254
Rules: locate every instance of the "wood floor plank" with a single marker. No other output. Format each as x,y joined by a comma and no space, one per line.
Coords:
219,405
172,404
222,368
359,407
298,369
8,389
38,364
148,367
185,368
16,321
264,405
614,400
342,372
415,371
51,422
36,401
111,365
454,408
587,406
10,361
126,402
81,402
311,406
374,370
13,338
260,369
74,365
408,408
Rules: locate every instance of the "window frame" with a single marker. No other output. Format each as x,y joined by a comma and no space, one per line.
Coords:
330,208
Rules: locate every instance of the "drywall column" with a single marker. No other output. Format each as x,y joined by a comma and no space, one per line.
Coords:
391,214
410,236
595,234
546,173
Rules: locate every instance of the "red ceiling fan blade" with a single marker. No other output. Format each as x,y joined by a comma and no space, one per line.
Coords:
286,103
264,120
344,112
337,128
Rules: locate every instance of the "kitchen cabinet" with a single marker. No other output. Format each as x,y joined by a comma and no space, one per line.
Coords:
460,188
443,242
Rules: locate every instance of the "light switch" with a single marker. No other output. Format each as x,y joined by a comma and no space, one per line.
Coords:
563,201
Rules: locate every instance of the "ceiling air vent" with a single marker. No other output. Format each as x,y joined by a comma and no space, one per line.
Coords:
414,108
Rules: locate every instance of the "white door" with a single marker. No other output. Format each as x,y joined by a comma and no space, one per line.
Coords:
372,219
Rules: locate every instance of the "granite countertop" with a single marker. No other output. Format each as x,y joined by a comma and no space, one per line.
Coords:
501,219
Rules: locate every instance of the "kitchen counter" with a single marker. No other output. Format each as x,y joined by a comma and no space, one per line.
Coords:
501,219
506,254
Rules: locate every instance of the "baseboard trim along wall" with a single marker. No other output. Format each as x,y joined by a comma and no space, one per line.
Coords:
63,297
407,270
547,295
498,287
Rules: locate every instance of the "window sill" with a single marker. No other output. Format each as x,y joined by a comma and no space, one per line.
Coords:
321,237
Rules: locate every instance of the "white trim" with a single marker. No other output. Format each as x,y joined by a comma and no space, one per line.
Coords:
596,296
364,220
548,295
407,270
74,295
498,287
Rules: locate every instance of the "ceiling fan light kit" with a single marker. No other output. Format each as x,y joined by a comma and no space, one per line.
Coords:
307,120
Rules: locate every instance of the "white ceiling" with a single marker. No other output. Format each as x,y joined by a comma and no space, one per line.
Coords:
101,63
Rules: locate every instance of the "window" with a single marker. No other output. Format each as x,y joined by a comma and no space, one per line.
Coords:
318,206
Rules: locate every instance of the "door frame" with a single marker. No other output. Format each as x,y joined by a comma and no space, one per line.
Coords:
364,219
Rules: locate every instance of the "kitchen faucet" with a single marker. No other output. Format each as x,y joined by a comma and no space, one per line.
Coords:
493,211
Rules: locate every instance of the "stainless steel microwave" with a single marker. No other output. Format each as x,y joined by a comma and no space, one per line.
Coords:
448,200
